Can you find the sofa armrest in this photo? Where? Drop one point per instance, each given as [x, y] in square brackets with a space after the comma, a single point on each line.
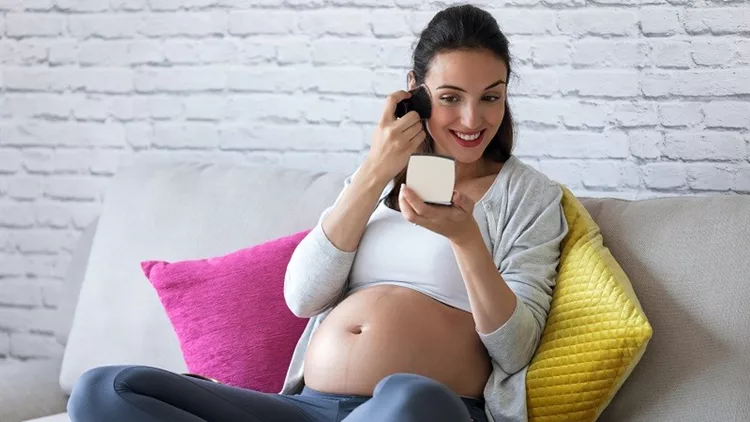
[30, 390]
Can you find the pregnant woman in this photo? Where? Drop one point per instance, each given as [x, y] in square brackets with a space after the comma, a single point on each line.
[417, 312]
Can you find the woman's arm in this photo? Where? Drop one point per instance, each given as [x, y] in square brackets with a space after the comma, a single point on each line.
[346, 222]
[320, 265]
[510, 306]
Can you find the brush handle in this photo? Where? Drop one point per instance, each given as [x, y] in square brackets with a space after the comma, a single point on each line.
[419, 102]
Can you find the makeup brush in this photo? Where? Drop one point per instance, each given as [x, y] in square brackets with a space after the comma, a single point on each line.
[419, 102]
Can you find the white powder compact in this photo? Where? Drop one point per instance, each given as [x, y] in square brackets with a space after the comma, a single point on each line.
[432, 177]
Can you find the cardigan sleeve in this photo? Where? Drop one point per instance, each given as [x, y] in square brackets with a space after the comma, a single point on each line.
[318, 271]
[527, 260]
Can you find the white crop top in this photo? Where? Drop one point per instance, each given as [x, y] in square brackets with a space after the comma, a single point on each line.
[394, 251]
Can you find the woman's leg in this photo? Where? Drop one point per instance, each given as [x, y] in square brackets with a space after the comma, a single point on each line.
[406, 397]
[148, 394]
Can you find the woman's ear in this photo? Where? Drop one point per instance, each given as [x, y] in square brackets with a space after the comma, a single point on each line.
[411, 81]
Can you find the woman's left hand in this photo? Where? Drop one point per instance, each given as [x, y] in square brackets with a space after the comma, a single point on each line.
[456, 222]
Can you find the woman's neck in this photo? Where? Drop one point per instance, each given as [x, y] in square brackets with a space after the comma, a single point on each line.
[470, 171]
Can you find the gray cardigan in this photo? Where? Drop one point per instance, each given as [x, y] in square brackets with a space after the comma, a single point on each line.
[522, 223]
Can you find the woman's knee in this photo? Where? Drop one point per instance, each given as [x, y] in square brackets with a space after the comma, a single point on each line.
[98, 390]
[415, 385]
[417, 393]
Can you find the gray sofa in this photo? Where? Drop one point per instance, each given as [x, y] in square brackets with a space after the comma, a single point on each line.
[688, 259]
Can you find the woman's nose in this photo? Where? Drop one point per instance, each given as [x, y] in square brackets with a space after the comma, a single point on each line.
[471, 117]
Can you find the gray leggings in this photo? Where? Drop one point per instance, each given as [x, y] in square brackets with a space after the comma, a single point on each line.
[146, 394]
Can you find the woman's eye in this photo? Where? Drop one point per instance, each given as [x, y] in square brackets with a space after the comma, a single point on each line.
[488, 98]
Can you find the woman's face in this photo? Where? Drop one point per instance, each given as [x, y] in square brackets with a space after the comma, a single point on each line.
[468, 90]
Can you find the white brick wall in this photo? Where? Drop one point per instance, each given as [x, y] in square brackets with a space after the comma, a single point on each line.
[619, 98]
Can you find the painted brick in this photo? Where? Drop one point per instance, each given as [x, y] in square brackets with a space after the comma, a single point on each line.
[614, 98]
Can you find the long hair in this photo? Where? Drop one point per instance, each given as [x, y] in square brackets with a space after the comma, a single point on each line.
[466, 28]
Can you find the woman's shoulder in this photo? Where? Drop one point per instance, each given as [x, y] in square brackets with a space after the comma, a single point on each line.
[519, 182]
[524, 196]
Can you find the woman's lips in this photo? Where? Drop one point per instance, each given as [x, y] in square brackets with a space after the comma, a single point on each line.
[468, 144]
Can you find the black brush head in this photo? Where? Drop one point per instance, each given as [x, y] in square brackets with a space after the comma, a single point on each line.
[419, 102]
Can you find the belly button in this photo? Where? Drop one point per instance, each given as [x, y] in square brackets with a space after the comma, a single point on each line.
[355, 329]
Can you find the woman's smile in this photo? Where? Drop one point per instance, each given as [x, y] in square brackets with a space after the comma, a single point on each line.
[468, 141]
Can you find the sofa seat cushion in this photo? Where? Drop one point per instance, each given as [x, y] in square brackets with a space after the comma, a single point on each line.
[60, 417]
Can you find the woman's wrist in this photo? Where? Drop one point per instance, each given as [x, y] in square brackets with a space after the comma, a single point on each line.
[467, 237]
[372, 177]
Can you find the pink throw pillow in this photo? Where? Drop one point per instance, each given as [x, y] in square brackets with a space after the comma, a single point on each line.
[230, 315]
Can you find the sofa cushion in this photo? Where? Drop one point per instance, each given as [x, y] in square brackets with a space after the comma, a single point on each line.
[230, 315]
[72, 285]
[688, 260]
[177, 211]
[596, 331]
[60, 417]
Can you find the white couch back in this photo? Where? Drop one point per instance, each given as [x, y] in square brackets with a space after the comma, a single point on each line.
[175, 212]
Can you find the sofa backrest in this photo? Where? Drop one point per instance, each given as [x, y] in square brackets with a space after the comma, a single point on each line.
[175, 212]
[72, 283]
[688, 259]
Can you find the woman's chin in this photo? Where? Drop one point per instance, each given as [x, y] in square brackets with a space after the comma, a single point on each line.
[461, 155]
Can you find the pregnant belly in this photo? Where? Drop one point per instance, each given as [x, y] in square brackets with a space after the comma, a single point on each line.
[386, 329]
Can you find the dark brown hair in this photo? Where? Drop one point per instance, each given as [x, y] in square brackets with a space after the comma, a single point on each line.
[466, 28]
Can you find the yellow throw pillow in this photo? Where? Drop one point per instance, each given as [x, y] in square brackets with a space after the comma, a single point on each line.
[596, 330]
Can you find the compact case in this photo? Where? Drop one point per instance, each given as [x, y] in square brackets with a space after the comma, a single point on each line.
[432, 177]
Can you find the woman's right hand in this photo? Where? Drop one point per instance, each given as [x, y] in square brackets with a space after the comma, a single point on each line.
[394, 140]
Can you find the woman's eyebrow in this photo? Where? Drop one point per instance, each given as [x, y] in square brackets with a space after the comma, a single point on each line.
[496, 83]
